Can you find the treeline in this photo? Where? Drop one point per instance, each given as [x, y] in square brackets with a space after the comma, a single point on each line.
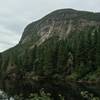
[79, 54]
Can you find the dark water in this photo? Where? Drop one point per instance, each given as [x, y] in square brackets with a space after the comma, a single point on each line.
[70, 90]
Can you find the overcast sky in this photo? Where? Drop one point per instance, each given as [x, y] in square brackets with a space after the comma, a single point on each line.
[16, 14]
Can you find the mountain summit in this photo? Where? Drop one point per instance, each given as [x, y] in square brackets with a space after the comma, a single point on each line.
[59, 23]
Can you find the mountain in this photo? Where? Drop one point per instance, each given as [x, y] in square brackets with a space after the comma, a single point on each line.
[64, 45]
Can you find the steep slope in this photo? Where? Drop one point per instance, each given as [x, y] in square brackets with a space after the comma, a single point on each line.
[63, 45]
[60, 23]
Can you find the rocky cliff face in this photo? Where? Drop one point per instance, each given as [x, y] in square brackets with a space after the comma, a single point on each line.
[59, 23]
[63, 43]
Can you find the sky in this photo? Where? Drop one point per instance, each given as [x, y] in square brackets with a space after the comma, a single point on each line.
[15, 15]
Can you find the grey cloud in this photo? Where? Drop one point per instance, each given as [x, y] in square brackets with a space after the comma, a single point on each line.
[4, 47]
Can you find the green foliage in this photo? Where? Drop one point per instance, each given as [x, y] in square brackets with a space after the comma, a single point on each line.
[35, 96]
[89, 96]
[78, 55]
[43, 96]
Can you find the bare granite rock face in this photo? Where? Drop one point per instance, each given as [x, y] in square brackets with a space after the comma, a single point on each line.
[59, 23]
